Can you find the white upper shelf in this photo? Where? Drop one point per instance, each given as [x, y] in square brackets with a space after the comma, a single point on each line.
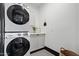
[37, 33]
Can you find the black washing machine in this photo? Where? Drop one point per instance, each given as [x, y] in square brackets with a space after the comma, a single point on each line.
[17, 44]
[17, 14]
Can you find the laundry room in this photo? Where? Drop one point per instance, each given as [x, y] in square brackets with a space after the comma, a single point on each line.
[39, 29]
[59, 29]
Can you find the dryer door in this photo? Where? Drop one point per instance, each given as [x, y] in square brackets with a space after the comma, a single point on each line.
[18, 47]
[17, 14]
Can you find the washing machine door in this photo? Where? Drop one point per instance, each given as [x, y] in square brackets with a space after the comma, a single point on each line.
[18, 47]
[17, 14]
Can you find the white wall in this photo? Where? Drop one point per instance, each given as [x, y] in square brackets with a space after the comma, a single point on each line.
[36, 41]
[62, 25]
[78, 29]
[34, 14]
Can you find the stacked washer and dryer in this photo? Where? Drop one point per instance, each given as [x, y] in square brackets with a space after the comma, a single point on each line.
[17, 40]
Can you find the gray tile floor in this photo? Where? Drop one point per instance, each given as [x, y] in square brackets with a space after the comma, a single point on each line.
[42, 53]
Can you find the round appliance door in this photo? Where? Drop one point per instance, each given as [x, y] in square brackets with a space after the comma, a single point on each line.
[17, 14]
[18, 47]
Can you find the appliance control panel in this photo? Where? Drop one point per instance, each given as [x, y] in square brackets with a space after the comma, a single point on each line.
[12, 35]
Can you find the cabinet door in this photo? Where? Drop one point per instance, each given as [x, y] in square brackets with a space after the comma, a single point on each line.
[1, 29]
